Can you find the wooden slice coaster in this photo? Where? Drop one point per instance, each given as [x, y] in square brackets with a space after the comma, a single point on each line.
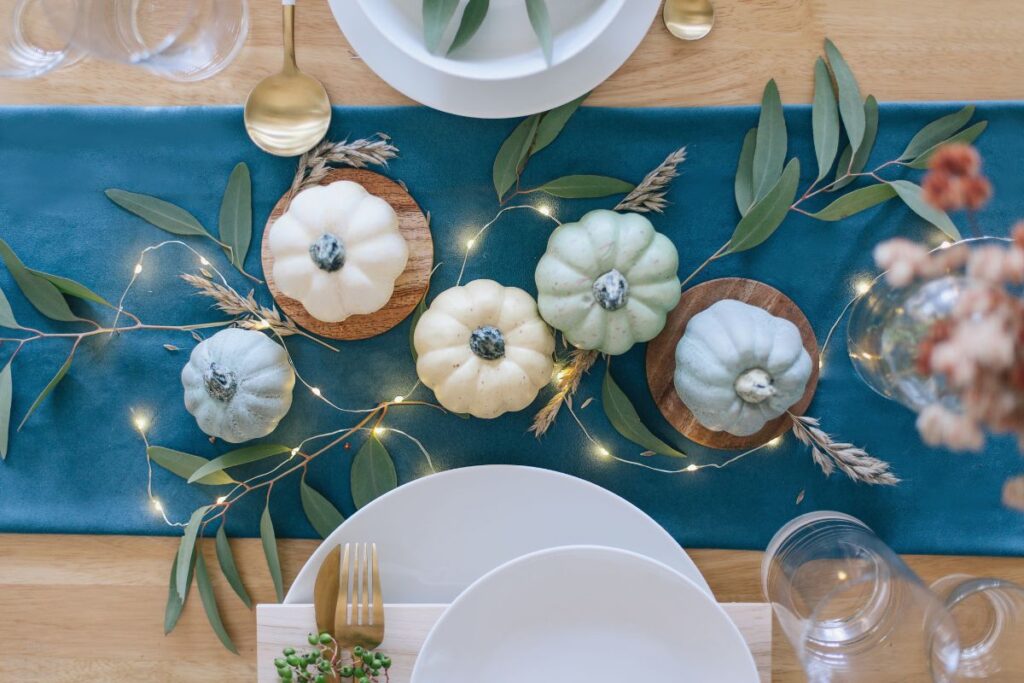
[661, 358]
[411, 284]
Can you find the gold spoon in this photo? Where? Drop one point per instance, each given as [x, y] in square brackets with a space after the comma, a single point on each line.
[287, 113]
[689, 19]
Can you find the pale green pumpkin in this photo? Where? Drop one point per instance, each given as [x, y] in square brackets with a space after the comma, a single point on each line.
[608, 281]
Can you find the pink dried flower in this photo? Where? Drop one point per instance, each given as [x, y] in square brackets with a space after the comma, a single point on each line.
[943, 191]
[1018, 234]
[940, 426]
[976, 191]
[901, 259]
[956, 159]
[986, 264]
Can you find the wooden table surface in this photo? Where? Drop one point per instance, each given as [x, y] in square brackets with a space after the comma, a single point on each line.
[76, 608]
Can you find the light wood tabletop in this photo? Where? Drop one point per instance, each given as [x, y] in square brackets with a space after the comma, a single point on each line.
[91, 607]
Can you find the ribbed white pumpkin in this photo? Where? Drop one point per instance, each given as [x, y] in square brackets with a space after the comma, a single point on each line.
[483, 349]
[608, 281]
[338, 251]
[238, 385]
[738, 367]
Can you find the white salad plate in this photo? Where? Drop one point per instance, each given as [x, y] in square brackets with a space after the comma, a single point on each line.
[600, 615]
[501, 72]
[439, 534]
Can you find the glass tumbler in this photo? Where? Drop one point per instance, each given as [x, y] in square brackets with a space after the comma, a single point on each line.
[182, 40]
[989, 614]
[853, 611]
[29, 44]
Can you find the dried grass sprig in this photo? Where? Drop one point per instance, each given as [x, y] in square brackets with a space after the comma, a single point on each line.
[568, 381]
[852, 461]
[649, 195]
[314, 165]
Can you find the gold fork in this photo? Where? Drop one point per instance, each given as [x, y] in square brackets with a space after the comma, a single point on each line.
[359, 620]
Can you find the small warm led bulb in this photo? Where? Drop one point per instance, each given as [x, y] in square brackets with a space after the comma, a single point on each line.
[399, 399]
[316, 391]
[775, 442]
[138, 268]
[141, 423]
[544, 209]
[946, 244]
[203, 261]
[379, 431]
[603, 452]
[295, 451]
[692, 468]
[470, 242]
[157, 505]
[221, 500]
[862, 286]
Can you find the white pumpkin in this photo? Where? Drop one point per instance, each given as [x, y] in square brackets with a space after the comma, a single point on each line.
[608, 281]
[338, 251]
[738, 367]
[238, 385]
[483, 349]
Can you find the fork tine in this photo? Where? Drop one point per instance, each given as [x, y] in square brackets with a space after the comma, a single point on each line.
[378, 597]
[341, 611]
[366, 585]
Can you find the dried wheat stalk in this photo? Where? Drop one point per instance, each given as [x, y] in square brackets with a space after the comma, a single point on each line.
[854, 462]
[568, 381]
[649, 195]
[253, 316]
[1013, 493]
[317, 162]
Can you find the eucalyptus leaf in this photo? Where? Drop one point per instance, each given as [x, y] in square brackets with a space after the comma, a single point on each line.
[239, 456]
[236, 215]
[269, 540]
[472, 18]
[936, 132]
[154, 211]
[766, 215]
[437, 14]
[552, 123]
[863, 153]
[541, 22]
[46, 298]
[856, 201]
[842, 168]
[851, 106]
[770, 150]
[210, 604]
[175, 603]
[585, 186]
[71, 288]
[966, 136]
[6, 314]
[824, 119]
[185, 465]
[226, 559]
[912, 197]
[626, 420]
[322, 515]
[512, 153]
[6, 394]
[744, 185]
[373, 472]
[50, 386]
[187, 549]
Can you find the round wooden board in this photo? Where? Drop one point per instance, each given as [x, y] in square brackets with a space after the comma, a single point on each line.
[661, 361]
[410, 286]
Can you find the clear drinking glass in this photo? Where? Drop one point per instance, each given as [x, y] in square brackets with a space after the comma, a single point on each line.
[852, 609]
[183, 40]
[989, 614]
[29, 44]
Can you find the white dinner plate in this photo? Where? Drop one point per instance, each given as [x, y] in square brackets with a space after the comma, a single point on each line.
[439, 534]
[599, 615]
[460, 89]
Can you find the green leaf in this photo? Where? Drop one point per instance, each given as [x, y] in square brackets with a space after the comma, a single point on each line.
[6, 393]
[163, 215]
[824, 119]
[175, 602]
[842, 168]
[472, 17]
[770, 150]
[966, 136]
[46, 298]
[236, 215]
[6, 314]
[226, 559]
[855, 202]
[186, 551]
[512, 153]
[71, 288]
[373, 472]
[239, 456]
[437, 14]
[269, 540]
[50, 386]
[552, 123]
[860, 158]
[185, 465]
[626, 420]
[766, 215]
[911, 196]
[585, 186]
[936, 132]
[851, 106]
[322, 515]
[744, 186]
[210, 604]
[541, 22]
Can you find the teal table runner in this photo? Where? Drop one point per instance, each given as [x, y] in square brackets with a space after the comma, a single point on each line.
[78, 466]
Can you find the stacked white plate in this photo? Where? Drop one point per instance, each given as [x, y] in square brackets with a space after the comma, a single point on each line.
[501, 72]
[541, 567]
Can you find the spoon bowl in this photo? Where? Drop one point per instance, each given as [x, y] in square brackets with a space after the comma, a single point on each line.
[689, 19]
